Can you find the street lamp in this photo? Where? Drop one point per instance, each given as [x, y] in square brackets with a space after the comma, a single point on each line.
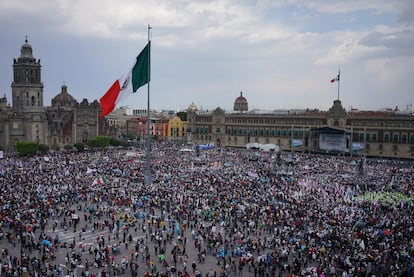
[22, 243]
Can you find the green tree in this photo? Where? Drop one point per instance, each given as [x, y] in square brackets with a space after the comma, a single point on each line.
[115, 142]
[27, 148]
[182, 116]
[79, 146]
[68, 147]
[43, 148]
[99, 141]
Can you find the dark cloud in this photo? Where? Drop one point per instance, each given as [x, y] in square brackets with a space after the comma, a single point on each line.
[406, 16]
[400, 43]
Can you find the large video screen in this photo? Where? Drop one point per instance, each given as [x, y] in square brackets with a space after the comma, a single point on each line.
[336, 142]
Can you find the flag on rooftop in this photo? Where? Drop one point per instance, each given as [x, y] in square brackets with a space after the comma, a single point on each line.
[336, 79]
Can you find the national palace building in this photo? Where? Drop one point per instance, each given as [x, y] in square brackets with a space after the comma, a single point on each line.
[388, 134]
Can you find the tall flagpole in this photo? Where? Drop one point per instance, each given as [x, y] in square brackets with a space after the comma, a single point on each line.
[148, 179]
[339, 81]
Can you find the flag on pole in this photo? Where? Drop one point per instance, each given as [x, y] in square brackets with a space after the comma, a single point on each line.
[336, 79]
[137, 76]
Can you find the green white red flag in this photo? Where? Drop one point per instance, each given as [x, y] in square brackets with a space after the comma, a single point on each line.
[137, 76]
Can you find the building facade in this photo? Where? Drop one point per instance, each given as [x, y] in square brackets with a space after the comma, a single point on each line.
[177, 129]
[158, 128]
[64, 122]
[388, 134]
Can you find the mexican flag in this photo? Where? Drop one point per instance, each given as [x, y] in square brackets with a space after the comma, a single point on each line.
[98, 181]
[137, 76]
[336, 79]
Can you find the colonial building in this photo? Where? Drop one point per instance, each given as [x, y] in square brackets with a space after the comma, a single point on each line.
[381, 134]
[177, 129]
[119, 121]
[158, 126]
[64, 122]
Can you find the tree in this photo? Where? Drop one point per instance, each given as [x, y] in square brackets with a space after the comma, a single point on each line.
[27, 148]
[79, 146]
[182, 116]
[99, 141]
[115, 142]
[43, 148]
[68, 147]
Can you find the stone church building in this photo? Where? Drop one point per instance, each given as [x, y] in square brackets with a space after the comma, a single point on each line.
[27, 119]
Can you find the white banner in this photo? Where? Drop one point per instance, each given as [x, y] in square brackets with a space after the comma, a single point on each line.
[297, 142]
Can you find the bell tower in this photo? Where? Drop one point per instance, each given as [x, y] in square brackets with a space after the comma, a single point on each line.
[27, 86]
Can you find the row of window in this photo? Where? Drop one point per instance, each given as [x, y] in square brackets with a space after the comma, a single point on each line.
[257, 132]
[175, 132]
[268, 121]
[387, 137]
[256, 139]
[284, 121]
[267, 132]
[367, 137]
[380, 147]
[389, 124]
[30, 76]
[202, 138]
[203, 130]
[29, 101]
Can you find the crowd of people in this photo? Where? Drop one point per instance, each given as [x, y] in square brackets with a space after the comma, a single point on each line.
[218, 212]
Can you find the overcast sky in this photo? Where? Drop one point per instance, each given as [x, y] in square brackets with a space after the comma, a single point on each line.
[281, 54]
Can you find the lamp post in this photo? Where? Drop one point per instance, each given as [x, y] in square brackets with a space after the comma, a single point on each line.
[22, 243]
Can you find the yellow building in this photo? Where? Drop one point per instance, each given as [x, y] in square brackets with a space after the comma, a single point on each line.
[177, 129]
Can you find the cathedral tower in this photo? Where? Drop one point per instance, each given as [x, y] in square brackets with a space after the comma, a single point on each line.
[27, 87]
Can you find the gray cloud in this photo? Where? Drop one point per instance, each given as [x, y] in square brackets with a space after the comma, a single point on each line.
[398, 43]
[406, 15]
[206, 51]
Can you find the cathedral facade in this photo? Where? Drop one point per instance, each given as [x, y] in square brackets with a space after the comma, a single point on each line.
[27, 119]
